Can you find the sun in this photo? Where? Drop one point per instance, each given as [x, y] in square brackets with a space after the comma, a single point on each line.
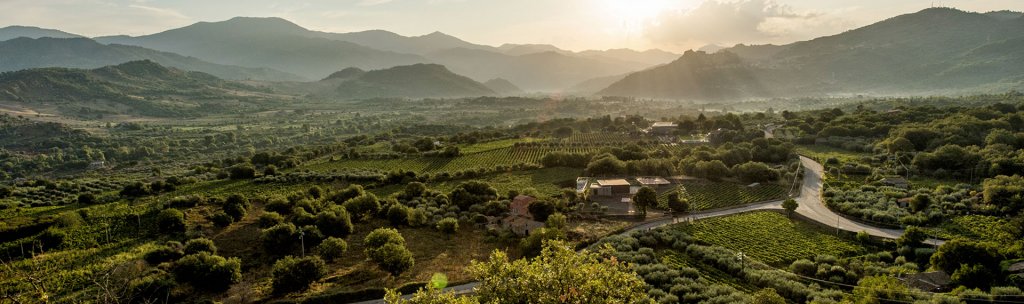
[634, 14]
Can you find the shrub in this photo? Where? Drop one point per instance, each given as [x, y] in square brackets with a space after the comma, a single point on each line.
[206, 271]
[195, 246]
[398, 214]
[540, 210]
[221, 219]
[381, 236]
[448, 226]
[295, 274]
[270, 219]
[279, 205]
[278, 239]
[335, 222]
[363, 205]
[392, 258]
[86, 199]
[331, 248]
[162, 254]
[352, 191]
[417, 217]
[170, 221]
[236, 206]
[242, 171]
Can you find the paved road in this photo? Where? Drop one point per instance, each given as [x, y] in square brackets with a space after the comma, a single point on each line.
[810, 203]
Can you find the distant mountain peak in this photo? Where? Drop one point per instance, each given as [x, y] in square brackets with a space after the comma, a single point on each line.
[347, 73]
[16, 31]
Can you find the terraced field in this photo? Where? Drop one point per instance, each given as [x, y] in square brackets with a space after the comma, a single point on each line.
[770, 237]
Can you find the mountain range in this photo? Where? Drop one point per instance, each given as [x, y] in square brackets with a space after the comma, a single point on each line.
[934, 51]
[408, 81]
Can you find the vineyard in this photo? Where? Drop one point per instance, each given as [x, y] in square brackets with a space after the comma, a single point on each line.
[706, 195]
[545, 181]
[707, 272]
[769, 237]
[488, 159]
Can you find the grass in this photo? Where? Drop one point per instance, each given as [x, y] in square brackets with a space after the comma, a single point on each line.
[770, 237]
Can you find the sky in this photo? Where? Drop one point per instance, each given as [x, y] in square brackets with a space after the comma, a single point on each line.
[674, 25]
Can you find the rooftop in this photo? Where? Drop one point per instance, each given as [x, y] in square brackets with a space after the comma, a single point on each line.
[652, 180]
[613, 182]
[664, 124]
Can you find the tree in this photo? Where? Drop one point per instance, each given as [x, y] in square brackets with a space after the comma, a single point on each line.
[643, 198]
[84, 198]
[363, 205]
[958, 252]
[195, 246]
[242, 171]
[472, 193]
[398, 214]
[335, 221]
[556, 221]
[767, 296]
[279, 239]
[1005, 192]
[606, 164]
[790, 205]
[295, 274]
[269, 219]
[540, 210]
[331, 248]
[564, 131]
[913, 236]
[209, 272]
[755, 172]
[386, 247]
[881, 289]
[350, 192]
[392, 258]
[413, 190]
[170, 221]
[677, 203]
[919, 202]
[5, 192]
[973, 276]
[428, 295]
[566, 277]
[448, 226]
[236, 206]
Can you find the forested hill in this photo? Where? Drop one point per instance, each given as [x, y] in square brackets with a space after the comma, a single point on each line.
[414, 81]
[137, 87]
[937, 50]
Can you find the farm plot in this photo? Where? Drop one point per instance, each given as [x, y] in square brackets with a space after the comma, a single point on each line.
[508, 156]
[704, 195]
[712, 274]
[769, 237]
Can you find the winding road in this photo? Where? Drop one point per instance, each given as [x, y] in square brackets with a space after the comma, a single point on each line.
[810, 206]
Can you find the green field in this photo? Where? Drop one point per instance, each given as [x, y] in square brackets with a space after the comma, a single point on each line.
[770, 237]
[706, 195]
[546, 181]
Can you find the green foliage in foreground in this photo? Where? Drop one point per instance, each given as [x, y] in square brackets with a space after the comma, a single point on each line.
[558, 275]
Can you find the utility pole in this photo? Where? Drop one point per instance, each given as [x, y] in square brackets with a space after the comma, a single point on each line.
[740, 256]
[302, 240]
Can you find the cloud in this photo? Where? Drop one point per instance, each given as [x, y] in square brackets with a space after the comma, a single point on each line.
[744, 21]
[372, 2]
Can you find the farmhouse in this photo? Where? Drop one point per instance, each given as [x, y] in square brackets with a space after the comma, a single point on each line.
[519, 220]
[936, 281]
[610, 187]
[664, 128]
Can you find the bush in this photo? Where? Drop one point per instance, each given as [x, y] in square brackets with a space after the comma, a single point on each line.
[86, 199]
[392, 258]
[279, 239]
[363, 205]
[331, 248]
[472, 193]
[270, 219]
[242, 171]
[209, 272]
[398, 214]
[540, 210]
[448, 226]
[221, 219]
[195, 246]
[335, 222]
[236, 206]
[163, 254]
[380, 236]
[295, 274]
[170, 221]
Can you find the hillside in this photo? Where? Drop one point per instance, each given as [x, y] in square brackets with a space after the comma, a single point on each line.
[82, 53]
[138, 87]
[938, 50]
[503, 86]
[412, 81]
[12, 32]
[267, 42]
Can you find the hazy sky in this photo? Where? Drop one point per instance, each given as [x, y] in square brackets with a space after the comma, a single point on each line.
[572, 24]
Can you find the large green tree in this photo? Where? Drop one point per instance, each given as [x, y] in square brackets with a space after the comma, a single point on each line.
[644, 198]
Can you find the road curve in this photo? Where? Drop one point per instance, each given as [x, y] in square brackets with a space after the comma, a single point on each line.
[810, 203]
